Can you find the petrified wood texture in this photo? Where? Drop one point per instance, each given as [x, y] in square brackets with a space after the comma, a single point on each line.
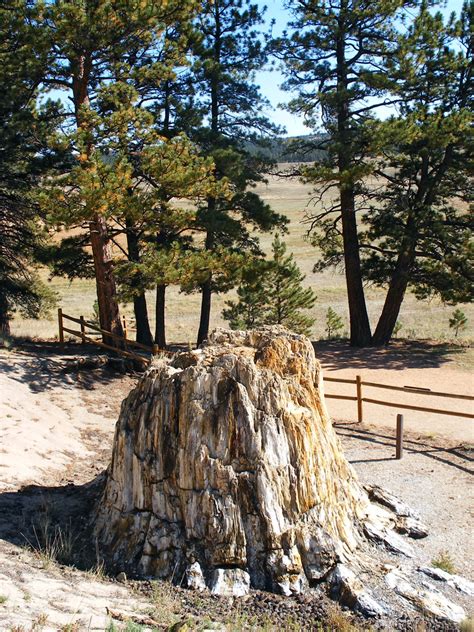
[226, 456]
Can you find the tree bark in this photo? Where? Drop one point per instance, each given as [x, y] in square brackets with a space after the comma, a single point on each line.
[206, 287]
[4, 321]
[400, 276]
[139, 300]
[109, 315]
[360, 335]
[206, 300]
[393, 300]
[160, 330]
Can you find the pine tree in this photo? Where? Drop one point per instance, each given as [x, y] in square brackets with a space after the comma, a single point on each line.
[271, 294]
[335, 58]
[21, 165]
[251, 308]
[333, 323]
[227, 53]
[89, 44]
[286, 296]
[420, 232]
[458, 321]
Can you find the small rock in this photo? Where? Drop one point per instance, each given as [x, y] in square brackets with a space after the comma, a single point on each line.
[121, 577]
[195, 578]
[387, 499]
[230, 582]
[431, 601]
[411, 527]
[455, 581]
[349, 590]
[389, 538]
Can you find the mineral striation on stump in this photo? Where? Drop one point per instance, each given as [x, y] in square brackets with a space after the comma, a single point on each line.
[226, 470]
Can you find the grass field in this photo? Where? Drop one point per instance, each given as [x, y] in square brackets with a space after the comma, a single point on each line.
[290, 197]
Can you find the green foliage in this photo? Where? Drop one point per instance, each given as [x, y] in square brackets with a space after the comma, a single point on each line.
[22, 162]
[227, 52]
[271, 293]
[334, 323]
[344, 60]
[458, 321]
[335, 59]
[419, 226]
[251, 309]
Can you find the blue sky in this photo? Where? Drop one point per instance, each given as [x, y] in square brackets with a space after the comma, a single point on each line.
[271, 80]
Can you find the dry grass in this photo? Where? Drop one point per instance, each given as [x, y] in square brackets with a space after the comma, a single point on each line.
[290, 197]
[445, 562]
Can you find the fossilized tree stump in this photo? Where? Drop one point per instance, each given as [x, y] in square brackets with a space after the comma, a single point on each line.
[226, 470]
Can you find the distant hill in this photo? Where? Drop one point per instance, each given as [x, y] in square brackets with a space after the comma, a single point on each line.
[291, 148]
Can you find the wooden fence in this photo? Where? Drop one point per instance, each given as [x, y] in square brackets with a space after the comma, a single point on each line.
[125, 347]
[360, 399]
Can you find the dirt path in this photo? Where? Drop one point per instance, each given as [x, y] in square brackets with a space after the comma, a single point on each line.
[433, 477]
[52, 419]
[418, 366]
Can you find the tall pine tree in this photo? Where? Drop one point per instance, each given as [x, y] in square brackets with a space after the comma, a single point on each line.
[89, 44]
[420, 225]
[22, 164]
[335, 58]
[228, 51]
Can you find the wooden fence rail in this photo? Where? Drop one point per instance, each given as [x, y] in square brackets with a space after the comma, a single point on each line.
[125, 348]
[413, 390]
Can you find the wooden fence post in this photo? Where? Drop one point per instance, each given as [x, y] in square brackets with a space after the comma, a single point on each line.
[60, 324]
[399, 446]
[360, 416]
[124, 326]
[83, 330]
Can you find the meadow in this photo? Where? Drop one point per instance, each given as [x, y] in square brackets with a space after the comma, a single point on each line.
[419, 319]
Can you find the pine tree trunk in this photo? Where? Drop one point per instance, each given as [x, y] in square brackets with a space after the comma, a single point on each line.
[4, 321]
[109, 316]
[160, 330]
[140, 310]
[360, 335]
[394, 298]
[215, 85]
[139, 301]
[206, 298]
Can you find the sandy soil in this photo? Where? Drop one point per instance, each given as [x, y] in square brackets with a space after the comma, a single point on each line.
[416, 366]
[56, 434]
[45, 414]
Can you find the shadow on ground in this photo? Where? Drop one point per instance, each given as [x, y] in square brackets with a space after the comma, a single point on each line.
[52, 521]
[46, 365]
[399, 355]
[459, 457]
